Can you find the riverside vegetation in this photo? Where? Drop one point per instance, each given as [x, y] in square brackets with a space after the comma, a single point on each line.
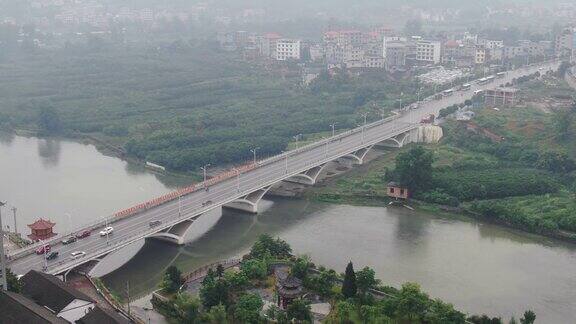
[526, 181]
[233, 296]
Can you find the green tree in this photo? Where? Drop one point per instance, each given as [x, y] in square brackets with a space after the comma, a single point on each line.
[14, 285]
[215, 291]
[300, 267]
[187, 308]
[513, 321]
[349, 285]
[220, 270]
[344, 311]
[49, 120]
[248, 308]
[414, 168]
[299, 310]
[562, 124]
[322, 283]
[528, 318]
[172, 279]
[217, 315]
[412, 303]
[443, 313]
[366, 279]
[237, 280]
[266, 245]
[254, 268]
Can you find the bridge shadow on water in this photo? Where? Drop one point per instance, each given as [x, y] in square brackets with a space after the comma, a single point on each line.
[217, 235]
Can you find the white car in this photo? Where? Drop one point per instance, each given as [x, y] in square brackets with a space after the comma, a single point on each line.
[106, 231]
[78, 254]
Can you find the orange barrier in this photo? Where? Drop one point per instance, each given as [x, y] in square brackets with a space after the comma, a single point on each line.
[184, 191]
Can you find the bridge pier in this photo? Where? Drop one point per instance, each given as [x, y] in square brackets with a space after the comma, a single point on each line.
[397, 141]
[358, 156]
[308, 177]
[174, 234]
[248, 203]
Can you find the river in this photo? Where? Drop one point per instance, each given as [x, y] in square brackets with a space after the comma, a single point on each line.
[481, 268]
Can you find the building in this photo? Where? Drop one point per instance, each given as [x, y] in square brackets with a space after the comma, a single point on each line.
[99, 315]
[501, 97]
[396, 191]
[41, 230]
[57, 296]
[565, 43]
[395, 57]
[17, 309]
[480, 56]
[428, 51]
[288, 288]
[287, 49]
[267, 45]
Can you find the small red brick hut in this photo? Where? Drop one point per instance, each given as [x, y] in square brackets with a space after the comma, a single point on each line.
[41, 230]
[395, 190]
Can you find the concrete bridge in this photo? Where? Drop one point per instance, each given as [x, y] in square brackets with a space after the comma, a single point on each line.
[243, 187]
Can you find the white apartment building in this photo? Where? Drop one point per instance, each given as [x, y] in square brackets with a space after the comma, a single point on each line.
[287, 49]
[480, 57]
[428, 51]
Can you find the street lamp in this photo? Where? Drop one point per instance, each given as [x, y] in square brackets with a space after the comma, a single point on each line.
[254, 150]
[333, 125]
[297, 137]
[286, 154]
[2, 256]
[237, 179]
[204, 170]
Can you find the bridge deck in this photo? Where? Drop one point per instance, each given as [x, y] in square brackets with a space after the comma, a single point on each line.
[267, 172]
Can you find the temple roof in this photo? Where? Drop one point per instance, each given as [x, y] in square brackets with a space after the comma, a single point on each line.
[41, 224]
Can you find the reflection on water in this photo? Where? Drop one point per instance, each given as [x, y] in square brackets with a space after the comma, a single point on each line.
[480, 268]
[49, 151]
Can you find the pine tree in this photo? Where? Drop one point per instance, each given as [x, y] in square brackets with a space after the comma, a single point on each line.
[349, 286]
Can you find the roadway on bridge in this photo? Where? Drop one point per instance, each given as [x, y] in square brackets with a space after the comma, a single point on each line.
[136, 227]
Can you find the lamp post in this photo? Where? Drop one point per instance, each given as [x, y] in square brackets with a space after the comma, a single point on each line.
[237, 179]
[333, 125]
[297, 138]
[2, 256]
[254, 150]
[204, 170]
[285, 161]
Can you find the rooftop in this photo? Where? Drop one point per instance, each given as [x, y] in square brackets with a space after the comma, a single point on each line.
[41, 224]
[16, 308]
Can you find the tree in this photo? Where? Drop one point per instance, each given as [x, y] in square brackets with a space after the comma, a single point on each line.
[220, 270]
[412, 303]
[344, 312]
[562, 124]
[248, 308]
[217, 315]
[414, 168]
[49, 120]
[349, 284]
[266, 245]
[172, 279]
[322, 283]
[443, 313]
[215, 291]
[254, 268]
[413, 27]
[366, 279]
[299, 310]
[14, 285]
[300, 267]
[529, 317]
[187, 308]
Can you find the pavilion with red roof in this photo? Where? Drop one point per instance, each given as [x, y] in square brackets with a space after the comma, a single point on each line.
[41, 230]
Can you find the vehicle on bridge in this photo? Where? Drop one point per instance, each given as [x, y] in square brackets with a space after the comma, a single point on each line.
[155, 223]
[52, 256]
[43, 249]
[83, 234]
[207, 203]
[77, 254]
[68, 240]
[106, 231]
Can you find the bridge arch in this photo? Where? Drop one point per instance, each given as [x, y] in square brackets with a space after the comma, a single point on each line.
[309, 177]
[248, 203]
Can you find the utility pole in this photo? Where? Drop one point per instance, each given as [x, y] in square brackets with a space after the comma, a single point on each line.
[128, 294]
[254, 150]
[15, 225]
[333, 125]
[2, 256]
[297, 137]
[204, 169]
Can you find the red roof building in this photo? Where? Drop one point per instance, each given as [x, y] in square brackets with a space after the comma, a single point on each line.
[41, 230]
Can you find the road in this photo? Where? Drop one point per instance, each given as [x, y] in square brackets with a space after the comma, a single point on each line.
[268, 172]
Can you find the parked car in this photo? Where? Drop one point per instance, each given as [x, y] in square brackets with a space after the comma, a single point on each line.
[78, 254]
[83, 234]
[68, 240]
[155, 223]
[106, 231]
[52, 255]
[43, 249]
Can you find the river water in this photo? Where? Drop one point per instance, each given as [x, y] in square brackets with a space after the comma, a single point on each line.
[481, 268]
